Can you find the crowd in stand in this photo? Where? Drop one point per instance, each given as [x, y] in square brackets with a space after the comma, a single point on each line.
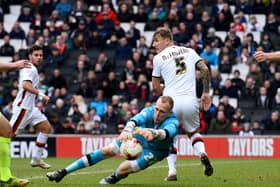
[97, 93]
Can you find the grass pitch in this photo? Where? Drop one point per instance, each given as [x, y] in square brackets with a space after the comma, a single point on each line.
[227, 172]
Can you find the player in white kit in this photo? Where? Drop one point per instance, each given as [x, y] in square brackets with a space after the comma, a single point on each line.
[24, 110]
[177, 65]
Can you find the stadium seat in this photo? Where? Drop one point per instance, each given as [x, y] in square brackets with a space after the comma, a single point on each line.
[241, 35]
[15, 9]
[9, 20]
[149, 37]
[233, 102]
[17, 43]
[125, 26]
[224, 76]
[6, 58]
[257, 36]
[221, 34]
[243, 69]
[140, 26]
[25, 26]
[135, 9]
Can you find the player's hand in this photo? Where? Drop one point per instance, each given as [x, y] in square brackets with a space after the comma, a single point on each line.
[125, 135]
[205, 101]
[46, 99]
[146, 133]
[260, 56]
[22, 64]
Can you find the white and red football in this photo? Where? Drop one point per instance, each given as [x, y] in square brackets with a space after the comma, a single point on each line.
[131, 149]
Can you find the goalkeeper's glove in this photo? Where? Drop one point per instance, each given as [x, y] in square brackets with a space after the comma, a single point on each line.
[126, 134]
[151, 134]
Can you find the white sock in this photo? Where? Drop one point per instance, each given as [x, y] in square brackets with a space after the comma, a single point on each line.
[40, 144]
[198, 143]
[171, 160]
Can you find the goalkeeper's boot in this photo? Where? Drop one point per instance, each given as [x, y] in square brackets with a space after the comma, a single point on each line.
[208, 171]
[172, 177]
[40, 163]
[112, 179]
[15, 182]
[57, 175]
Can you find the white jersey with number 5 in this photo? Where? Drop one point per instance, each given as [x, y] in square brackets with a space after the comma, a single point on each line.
[176, 65]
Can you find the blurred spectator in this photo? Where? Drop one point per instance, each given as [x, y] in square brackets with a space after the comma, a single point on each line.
[274, 7]
[26, 15]
[220, 22]
[67, 127]
[30, 37]
[111, 14]
[17, 32]
[57, 80]
[257, 128]
[239, 116]
[215, 81]
[80, 73]
[64, 8]
[119, 31]
[7, 49]
[228, 89]
[266, 43]
[256, 74]
[250, 90]
[237, 82]
[81, 35]
[212, 39]
[122, 91]
[210, 56]
[246, 130]
[123, 50]
[229, 109]
[87, 88]
[272, 123]
[132, 34]
[99, 127]
[225, 65]
[143, 47]
[272, 24]
[254, 25]
[220, 124]
[111, 120]
[99, 103]
[235, 127]
[244, 6]
[250, 43]
[46, 8]
[141, 15]
[88, 122]
[124, 14]
[81, 129]
[206, 21]
[234, 39]
[143, 88]
[153, 22]
[237, 26]
[264, 101]
[258, 7]
[75, 113]
[3, 32]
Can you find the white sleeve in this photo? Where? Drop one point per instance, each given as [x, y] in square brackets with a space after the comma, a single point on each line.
[156, 67]
[27, 74]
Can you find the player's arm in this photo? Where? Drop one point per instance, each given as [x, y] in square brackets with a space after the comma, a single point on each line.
[205, 75]
[4, 66]
[150, 134]
[261, 56]
[27, 85]
[157, 86]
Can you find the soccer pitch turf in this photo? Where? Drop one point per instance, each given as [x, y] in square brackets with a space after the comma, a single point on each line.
[227, 172]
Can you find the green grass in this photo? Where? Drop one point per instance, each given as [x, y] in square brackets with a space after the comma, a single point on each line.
[227, 172]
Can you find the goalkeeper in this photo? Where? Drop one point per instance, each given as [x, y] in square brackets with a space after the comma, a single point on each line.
[155, 127]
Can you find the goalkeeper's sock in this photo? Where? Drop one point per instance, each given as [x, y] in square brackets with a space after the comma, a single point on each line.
[86, 161]
[198, 143]
[171, 160]
[5, 159]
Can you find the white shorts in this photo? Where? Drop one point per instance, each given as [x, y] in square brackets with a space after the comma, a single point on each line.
[22, 117]
[187, 111]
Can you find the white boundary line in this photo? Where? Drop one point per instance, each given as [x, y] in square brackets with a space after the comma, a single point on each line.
[153, 167]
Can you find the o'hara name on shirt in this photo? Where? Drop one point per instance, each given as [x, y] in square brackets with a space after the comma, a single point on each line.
[174, 54]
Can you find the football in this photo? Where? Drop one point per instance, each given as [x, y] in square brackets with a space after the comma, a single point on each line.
[131, 149]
